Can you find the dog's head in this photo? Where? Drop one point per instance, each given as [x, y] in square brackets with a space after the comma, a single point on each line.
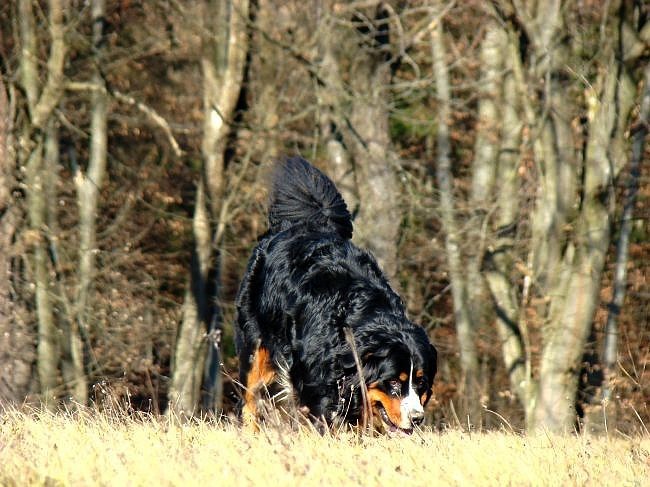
[399, 372]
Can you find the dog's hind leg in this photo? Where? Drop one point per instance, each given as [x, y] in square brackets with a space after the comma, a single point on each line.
[261, 375]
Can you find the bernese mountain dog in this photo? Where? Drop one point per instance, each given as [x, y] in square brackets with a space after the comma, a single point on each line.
[316, 314]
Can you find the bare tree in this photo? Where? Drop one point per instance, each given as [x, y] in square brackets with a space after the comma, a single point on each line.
[16, 350]
[485, 164]
[499, 259]
[332, 95]
[573, 205]
[369, 139]
[224, 48]
[462, 317]
[88, 189]
[584, 259]
[267, 63]
[41, 101]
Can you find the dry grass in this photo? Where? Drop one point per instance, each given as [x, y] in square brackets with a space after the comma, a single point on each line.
[95, 449]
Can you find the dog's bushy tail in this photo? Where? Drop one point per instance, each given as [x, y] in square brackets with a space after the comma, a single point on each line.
[302, 194]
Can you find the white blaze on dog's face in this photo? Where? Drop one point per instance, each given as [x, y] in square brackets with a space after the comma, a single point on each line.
[396, 405]
[410, 407]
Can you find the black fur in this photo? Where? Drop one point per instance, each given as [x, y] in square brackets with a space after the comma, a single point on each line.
[305, 284]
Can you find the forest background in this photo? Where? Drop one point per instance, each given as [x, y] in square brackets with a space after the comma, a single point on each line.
[492, 153]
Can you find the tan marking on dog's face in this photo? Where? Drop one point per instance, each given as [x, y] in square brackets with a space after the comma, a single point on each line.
[390, 404]
[425, 396]
[403, 377]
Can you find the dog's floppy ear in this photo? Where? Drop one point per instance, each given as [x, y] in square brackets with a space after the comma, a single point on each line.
[367, 359]
[372, 363]
[375, 355]
[432, 368]
[433, 362]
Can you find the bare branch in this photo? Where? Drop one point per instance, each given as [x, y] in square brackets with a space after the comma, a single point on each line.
[153, 116]
[54, 85]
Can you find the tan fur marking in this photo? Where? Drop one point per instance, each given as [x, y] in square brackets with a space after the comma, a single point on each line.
[390, 404]
[424, 398]
[261, 374]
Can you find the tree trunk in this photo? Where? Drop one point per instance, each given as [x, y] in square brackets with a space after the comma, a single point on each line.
[41, 103]
[267, 63]
[16, 342]
[570, 322]
[484, 170]
[48, 352]
[223, 58]
[464, 328]
[88, 190]
[484, 165]
[89, 184]
[378, 218]
[189, 358]
[549, 117]
[498, 266]
[224, 48]
[489, 107]
[332, 98]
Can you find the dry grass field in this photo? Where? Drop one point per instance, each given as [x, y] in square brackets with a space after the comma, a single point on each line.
[95, 449]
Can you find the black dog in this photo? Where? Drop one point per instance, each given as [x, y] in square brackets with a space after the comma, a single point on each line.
[306, 288]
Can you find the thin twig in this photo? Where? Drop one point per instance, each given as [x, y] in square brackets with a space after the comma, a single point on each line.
[366, 424]
[148, 111]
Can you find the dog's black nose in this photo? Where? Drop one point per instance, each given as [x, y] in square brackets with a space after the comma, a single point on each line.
[417, 418]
